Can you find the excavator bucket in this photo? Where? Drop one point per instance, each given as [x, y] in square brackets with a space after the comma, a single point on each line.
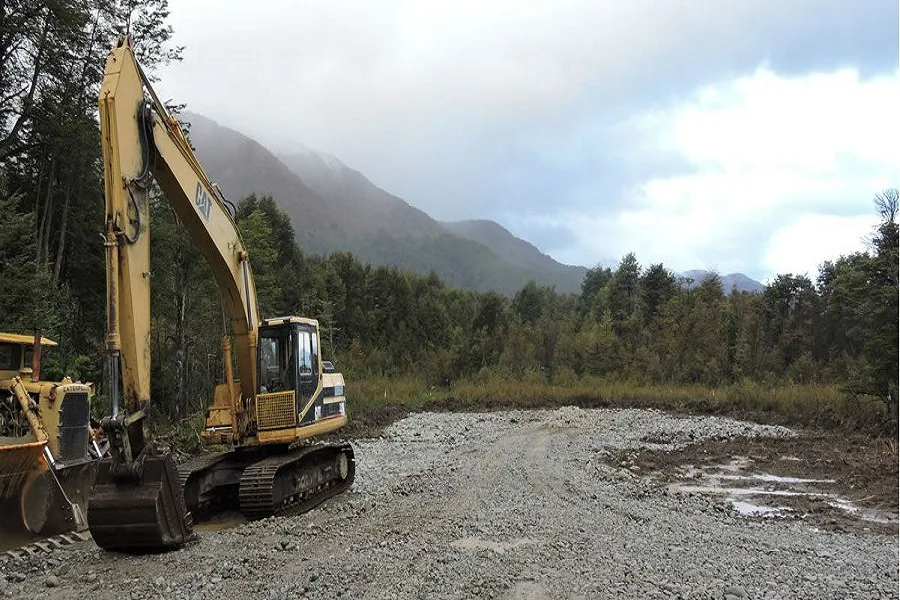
[143, 511]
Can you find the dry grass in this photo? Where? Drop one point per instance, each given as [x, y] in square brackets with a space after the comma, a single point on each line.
[814, 406]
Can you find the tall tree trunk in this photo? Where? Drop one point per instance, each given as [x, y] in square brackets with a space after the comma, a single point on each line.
[48, 208]
[37, 190]
[181, 303]
[60, 248]
[51, 208]
[9, 145]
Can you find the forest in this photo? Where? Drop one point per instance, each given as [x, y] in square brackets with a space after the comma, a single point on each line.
[821, 351]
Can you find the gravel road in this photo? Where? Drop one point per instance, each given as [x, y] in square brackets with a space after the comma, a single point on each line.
[516, 504]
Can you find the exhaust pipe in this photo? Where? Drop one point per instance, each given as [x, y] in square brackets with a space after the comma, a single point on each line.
[36, 357]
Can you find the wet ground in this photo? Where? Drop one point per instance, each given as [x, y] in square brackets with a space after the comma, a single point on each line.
[835, 482]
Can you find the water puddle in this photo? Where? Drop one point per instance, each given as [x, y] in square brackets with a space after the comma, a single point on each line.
[749, 509]
[866, 514]
[768, 495]
[769, 478]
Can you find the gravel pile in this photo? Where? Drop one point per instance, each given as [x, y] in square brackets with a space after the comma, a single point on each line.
[515, 504]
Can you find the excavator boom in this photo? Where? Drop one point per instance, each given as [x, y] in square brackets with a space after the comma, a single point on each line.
[142, 141]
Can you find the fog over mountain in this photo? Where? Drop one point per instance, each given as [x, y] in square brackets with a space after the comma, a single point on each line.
[334, 207]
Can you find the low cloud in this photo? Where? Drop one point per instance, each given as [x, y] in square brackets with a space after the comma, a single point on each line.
[592, 128]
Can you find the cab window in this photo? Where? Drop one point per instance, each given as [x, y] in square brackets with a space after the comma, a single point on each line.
[10, 357]
[277, 351]
[305, 353]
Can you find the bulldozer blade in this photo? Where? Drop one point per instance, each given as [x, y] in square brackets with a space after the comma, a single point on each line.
[54, 501]
[33, 499]
[145, 513]
[17, 461]
[40, 498]
[46, 508]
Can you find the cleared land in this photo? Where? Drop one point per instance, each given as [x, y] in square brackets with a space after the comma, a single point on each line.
[565, 503]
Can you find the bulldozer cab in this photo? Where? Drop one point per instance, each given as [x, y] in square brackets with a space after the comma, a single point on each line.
[288, 355]
[17, 354]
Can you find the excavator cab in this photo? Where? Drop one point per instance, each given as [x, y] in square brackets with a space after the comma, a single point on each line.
[285, 355]
[293, 390]
[288, 360]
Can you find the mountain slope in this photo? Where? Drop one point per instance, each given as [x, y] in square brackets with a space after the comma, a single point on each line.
[334, 207]
[242, 166]
[731, 281]
[519, 252]
[402, 227]
[367, 207]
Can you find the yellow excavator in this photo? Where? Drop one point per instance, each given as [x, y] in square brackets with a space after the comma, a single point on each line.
[285, 393]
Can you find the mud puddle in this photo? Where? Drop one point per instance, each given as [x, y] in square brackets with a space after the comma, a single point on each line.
[844, 484]
[757, 494]
[220, 521]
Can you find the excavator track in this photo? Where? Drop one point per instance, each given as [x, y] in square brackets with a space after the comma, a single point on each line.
[297, 481]
[195, 468]
[197, 464]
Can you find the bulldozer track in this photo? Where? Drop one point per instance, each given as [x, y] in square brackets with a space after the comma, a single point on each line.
[258, 483]
[48, 545]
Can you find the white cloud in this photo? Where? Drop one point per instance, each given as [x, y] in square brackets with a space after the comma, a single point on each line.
[780, 173]
[384, 84]
[802, 246]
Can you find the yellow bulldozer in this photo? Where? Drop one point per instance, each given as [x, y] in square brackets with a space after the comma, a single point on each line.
[48, 450]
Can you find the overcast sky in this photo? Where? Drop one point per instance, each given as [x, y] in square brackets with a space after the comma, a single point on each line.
[736, 135]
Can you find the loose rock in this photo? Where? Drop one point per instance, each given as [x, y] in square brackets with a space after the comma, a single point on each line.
[514, 504]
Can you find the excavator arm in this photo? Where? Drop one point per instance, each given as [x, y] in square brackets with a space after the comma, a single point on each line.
[142, 141]
[137, 500]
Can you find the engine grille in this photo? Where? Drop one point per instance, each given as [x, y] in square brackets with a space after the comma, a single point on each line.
[276, 411]
[74, 419]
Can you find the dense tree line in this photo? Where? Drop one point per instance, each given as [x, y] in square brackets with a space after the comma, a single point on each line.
[633, 322]
[630, 323]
